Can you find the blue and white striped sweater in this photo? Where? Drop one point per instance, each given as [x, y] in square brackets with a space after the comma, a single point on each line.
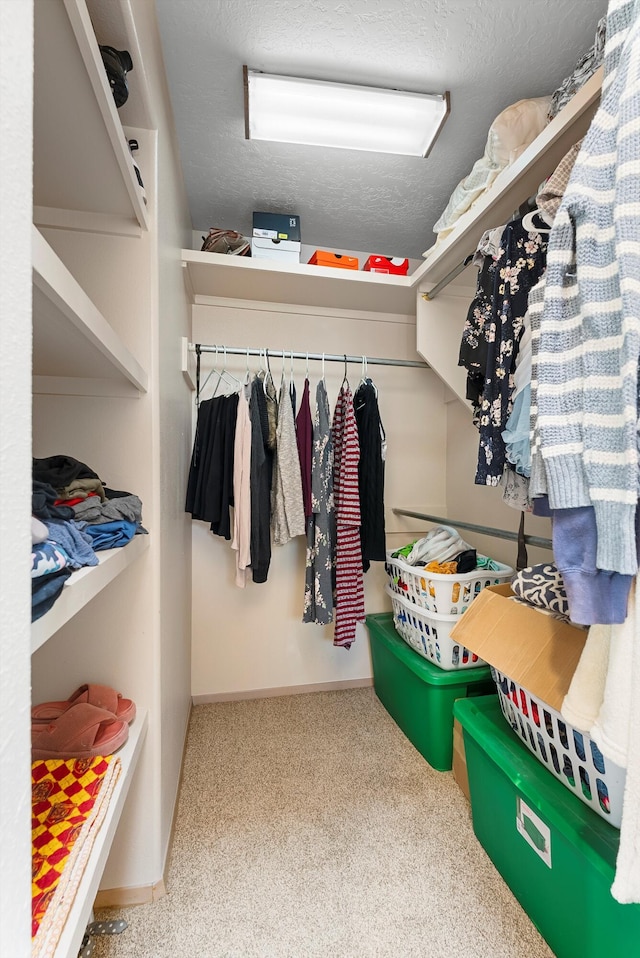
[589, 340]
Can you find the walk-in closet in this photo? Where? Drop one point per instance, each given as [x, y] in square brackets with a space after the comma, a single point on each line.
[334, 749]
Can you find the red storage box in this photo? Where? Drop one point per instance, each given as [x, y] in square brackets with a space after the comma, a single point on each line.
[322, 257]
[387, 264]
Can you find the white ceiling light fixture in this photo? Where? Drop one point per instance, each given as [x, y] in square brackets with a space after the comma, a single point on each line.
[323, 113]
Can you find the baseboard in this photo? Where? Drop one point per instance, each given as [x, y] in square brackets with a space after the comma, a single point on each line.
[137, 895]
[276, 691]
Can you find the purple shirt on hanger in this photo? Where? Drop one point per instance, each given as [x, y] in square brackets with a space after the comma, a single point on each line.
[304, 439]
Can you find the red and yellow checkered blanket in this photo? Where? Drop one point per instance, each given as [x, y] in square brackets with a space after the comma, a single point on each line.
[69, 800]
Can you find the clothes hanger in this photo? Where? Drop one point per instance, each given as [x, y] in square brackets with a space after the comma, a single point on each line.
[345, 380]
[267, 374]
[529, 225]
[231, 381]
[211, 372]
[366, 379]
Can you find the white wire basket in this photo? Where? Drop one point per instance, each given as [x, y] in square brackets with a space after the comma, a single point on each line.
[572, 756]
[438, 592]
[429, 634]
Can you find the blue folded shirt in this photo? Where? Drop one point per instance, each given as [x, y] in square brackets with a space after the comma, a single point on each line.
[111, 535]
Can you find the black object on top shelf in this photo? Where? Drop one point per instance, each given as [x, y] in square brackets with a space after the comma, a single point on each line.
[117, 63]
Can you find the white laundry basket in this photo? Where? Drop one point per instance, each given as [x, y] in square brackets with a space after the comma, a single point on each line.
[572, 756]
[429, 634]
[438, 592]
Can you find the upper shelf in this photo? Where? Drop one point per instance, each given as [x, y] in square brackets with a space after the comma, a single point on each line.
[71, 339]
[263, 280]
[82, 160]
[517, 182]
[238, 277]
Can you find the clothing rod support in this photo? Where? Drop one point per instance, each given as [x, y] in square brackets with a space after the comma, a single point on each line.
[481, 530]
[318, 357]
[448, 278]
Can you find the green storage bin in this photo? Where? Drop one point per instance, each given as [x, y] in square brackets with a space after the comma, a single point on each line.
[556, 854]
[417, 694]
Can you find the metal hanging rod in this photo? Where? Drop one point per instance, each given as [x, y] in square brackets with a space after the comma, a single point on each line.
[448, 278]
[481, 530]
[316, 357]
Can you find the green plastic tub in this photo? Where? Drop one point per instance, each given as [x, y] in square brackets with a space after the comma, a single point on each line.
[417, 694]
[556, 854]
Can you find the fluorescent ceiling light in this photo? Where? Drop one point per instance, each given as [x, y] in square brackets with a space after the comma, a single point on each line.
[319, 113]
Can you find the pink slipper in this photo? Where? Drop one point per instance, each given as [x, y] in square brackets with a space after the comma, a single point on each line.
[82, 731]
[102, 696]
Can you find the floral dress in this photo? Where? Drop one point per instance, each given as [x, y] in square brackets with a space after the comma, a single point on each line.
[321, 536]
[520, 264]
[473, 348]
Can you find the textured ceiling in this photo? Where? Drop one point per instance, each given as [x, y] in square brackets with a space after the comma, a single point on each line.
[487, 53]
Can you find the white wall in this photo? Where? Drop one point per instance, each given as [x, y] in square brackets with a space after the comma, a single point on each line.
[254, 639]
[16, 90]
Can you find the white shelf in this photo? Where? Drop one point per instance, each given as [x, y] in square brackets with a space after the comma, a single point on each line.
[80, 913]
[83, 585]
[514, 185]
[71, 338]
[81, 158]
[215, 275]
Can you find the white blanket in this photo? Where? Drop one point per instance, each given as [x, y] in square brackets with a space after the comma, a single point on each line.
[604, 701]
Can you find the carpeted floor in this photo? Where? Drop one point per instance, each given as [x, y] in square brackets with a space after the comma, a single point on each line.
[309, 827]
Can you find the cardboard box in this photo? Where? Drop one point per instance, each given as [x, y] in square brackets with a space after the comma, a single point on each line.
[394, 265]
[323, 257]
[282, 226]
[282, 251]
[460, 775]
[537, 651]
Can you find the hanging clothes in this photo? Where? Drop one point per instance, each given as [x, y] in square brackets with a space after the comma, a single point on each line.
[260, 481]
[589, 339]
[349, 580]
[519, 267]
[304, 440]
[287, 508]
[210, 483]
[371, 438]
[517, 433]
[241, 542]
[320, 562]
[474, 345]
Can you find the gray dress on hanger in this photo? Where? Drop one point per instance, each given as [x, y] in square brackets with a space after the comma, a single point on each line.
[320, 571]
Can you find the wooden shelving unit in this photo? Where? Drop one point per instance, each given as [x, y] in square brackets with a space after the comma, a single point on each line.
[215, 275]
[84, 181]
[72, 341]
[514, 185]
[82, 161]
